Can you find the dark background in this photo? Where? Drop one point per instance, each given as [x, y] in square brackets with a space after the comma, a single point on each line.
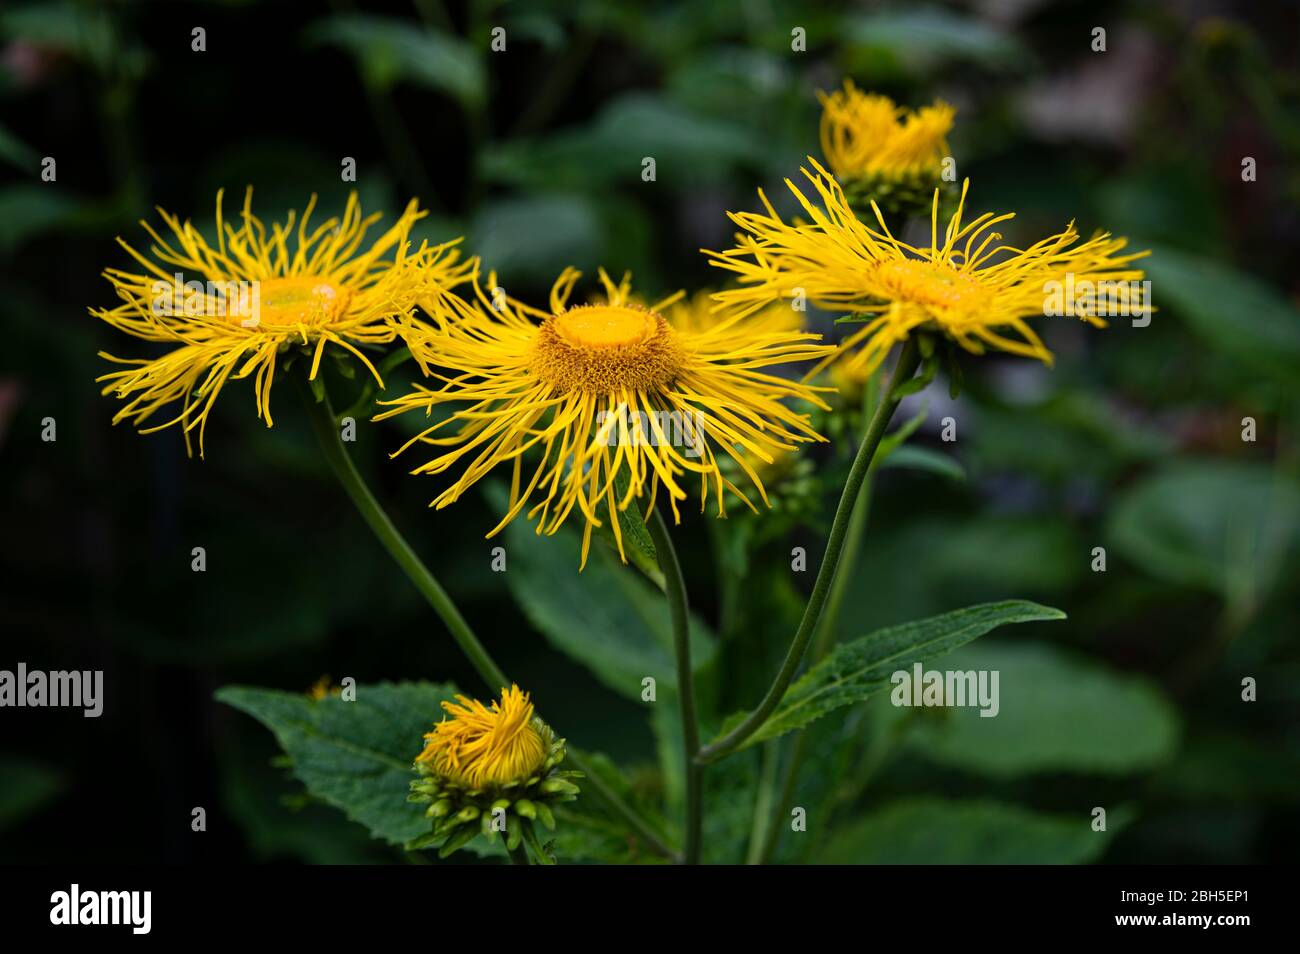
[1132, 442]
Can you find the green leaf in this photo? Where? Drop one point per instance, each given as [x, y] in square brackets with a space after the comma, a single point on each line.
[504, 233]
[1235, 313]
[912, 457]
[687, 148]
[606, 617]
[730, 787]
[28, 210]
[1056, 712]
[280, 822]
[856, 669]
[1222, 525]
[357, 755]
[389, 49]
[893, 441]
[921, 39]
[588, 831]
[934, 831]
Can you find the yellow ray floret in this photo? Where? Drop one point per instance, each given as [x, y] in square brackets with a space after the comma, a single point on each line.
[597, 406]
[230, 309]
[867, 134]
[481, 746]
[964, 285]
[699, 313]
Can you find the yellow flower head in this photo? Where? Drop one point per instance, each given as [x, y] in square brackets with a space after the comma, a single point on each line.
[865, 134]
[611, 400]
[481, 747]
[964, 285]
[229, 309]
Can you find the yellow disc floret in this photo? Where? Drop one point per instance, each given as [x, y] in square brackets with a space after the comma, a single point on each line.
[599, 349]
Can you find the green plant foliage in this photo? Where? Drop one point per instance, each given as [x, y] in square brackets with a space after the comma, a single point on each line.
[1233, 312]
[605, 618]
[1224, 526]
[390, 50]
[1057, 712]
[856, 669]
[938, 831]
[355, 755]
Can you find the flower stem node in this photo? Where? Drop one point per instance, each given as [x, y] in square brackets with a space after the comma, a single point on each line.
[497, 766]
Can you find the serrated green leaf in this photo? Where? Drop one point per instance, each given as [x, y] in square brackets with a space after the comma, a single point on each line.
[357, 755]
[931, 831]
[860, 667]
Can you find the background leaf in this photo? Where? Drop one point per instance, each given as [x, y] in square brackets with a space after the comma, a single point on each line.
[388, 49]
[1220, 525]
[1057, 712]
[606, 617]
[935, 831]
[1235, 313]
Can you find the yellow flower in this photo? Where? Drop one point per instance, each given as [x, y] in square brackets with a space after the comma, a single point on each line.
[480, 747]
[229, 310]
[964, 285]
[615, 401]
[491, 769]
[865, 134]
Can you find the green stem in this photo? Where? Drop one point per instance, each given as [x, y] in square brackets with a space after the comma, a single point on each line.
[675, 590]
[761, 853]
[323, 423]
[908, 360]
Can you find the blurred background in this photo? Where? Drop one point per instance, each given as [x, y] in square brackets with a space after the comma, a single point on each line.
[1133, 443]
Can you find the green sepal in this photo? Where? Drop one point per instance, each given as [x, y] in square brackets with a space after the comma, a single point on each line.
[956, 379]
[457, 841]
[427, 840]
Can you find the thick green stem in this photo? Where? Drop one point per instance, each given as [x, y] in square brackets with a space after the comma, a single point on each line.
[675, 590]
[323, 423]
[908, 360]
